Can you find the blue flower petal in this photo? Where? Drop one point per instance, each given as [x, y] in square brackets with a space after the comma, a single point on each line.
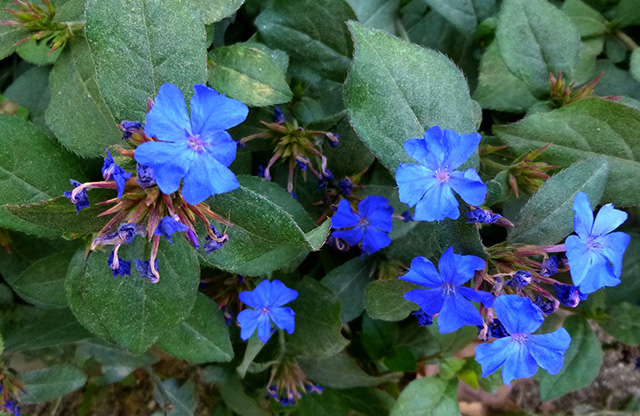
[480, 296]
[614, 246]
[374, 240]
[457, 312]
[581, 259]
[423, 273]
[607, 220]
[429, 300]
[548, 349]
[469, 186]
[221, 147]
[438, 203]
[460, 148]
[492, 356]
[344, 216]
[518, 315]
[413, 182]
[352, 237]
[248, 320]
[434, 142]
[205, 177]
[283, 318]
[168, 226]
[600, 275]
[280, 294]
[458, 269]
[170, 162]
[583, 220]
[212, 112]
[417, 150]
[519, 363]
[264, 327]
[168, 119]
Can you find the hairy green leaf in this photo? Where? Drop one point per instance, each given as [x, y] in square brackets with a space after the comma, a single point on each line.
[428, 396]
[51, 383]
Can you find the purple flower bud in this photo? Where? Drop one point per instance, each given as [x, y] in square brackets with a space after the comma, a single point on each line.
[497, 330]
[302, 165]
[294, 195]
[144, 267]
[550, 266]
[111, 171]
[345, 186]
[127, 232]
[123, 269]
[211, 244]
[547, 307]
[193, 238]
[424, 318]
[314, 388]
[129, 128]
[482, 216]
[278, 117]
[168, 226]
[406, 216]
[334, 139]
[240, 144]
[568, 295]
[326, 177]
[260, 171]
[81, 200]
[520, 279]
[146, 176]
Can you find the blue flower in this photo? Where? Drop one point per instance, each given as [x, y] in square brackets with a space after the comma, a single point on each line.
[371, 224]
[568, 295]
[268, 299]
[445, 293]
[82, 198]
[211, 244]
[198, 150]
[483, 216]
[144, 267]
[521, 352]
[168, 226]
[123, 267]
[430, 185]
[146, 178]
[595, 254]
[111, 171]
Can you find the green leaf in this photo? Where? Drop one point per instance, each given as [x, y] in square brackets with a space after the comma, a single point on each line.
[348, 281]
[319, 42]
[77, 114]
[340, 372]
[59, 214]
[368, 401]
[47, 329]
[460, 13]
[377, 14]
[582, 361]
[329, 403]
[583, 130]
[116, 363]
[202, 337]
[318, 321]
[535, 38]
[9, 36]
[128, 310]
[31, 90]
[547, 218]
[270, 229]
[384, 300]
[212, 11]
[635, 64]
[396, 90]
[629, 289]
[135, 56]
[234, 396]
[181, 397]
[254, 346]
[351, 156]
[378, 337]
[38, 52]
[51, 383]
[37, 268]
[588, 21]
[428, 396]
[627, 13]
[623, 323]
[498, 88]
[247, 74]
[32, 168]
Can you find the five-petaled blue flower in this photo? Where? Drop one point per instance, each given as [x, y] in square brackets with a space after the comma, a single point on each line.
[168, 226]
[430, 185]
[445, 293]
[595, 254]
[111, 171]
[521, 352]
[371, 225]
[268, 299]
[198, 150]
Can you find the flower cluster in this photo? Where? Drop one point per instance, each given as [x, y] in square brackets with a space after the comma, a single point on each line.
[181, 161]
